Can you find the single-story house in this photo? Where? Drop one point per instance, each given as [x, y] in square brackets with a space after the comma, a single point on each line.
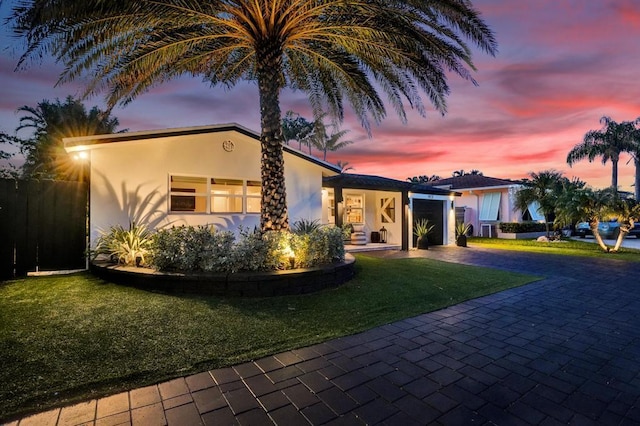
[211, 175]
[487, 201]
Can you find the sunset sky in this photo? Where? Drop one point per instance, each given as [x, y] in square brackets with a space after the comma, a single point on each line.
[562, 64]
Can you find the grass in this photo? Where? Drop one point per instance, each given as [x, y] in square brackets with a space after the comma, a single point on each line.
[68, 338]
[565, 248]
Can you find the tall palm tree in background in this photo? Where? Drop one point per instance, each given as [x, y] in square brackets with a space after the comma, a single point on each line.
[334, 50]
[324, 142]
[609, 142]
[45, 156]
[543, 188]
[635, 154]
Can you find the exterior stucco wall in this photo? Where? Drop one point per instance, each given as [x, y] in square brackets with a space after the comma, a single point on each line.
[472, 201]
[373, 220]
[130, 180]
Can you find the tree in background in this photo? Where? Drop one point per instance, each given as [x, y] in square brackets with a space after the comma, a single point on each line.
[459, 173]
[344, 166]
[609, 142]
[334, 50]
[588, 205]
[543, 188]
[635, 154]
[8, 170]
[424, 179]
[297, 128]
[627, 212]
[324, 142]
[45, 156]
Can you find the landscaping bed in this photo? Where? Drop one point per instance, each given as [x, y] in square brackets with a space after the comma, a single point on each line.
[245, 284]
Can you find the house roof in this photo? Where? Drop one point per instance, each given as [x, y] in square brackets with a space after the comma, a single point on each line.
[473, 182]
[356, 181]
[82, 143]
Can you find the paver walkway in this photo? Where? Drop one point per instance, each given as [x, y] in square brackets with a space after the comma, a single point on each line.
[562, 350]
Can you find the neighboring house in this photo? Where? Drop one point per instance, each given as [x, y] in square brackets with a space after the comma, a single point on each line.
[211, 175]
[486, 201]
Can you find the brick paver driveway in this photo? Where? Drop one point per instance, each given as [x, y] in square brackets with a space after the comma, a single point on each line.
[562, 350]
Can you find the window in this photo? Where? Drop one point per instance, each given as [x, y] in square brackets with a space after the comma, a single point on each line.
[331, 208]
[197, 194]
[226, 195]
[535, 212]
[188, 194]
[254, 191]
[354, 205]
[490, 209]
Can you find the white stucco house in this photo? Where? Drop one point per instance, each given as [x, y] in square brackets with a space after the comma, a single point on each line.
[486, 201]
[211, 175]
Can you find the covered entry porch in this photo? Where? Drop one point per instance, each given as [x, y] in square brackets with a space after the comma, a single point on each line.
[382, 208]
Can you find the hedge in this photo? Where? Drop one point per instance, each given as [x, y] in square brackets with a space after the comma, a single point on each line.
[516, 228]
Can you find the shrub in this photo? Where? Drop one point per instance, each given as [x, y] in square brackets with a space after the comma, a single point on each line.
[188, 248]
[203, 249]
[513, 227]
[328, 244]
[125, 246]
[305, 226]
[252, 252]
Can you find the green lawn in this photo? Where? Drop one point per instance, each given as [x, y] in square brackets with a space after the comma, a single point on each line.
[565, 247]
[75, 337]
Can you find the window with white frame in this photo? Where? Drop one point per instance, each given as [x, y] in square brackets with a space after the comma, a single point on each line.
[490, 209]
[199, 194]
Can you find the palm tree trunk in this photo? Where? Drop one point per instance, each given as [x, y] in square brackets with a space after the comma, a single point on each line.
[636, 162]
[614, 173]
[621, 236]
[546, 225]
[596, 234]
[273, 206]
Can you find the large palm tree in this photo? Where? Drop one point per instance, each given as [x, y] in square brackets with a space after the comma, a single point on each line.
[609, 142]
[331, 49]
[544, 188]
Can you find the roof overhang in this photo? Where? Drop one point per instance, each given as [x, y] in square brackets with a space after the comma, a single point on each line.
[83, 143]
[378, 183]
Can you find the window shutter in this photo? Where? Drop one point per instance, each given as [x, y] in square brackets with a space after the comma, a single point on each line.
[536, 212]
[490, 206]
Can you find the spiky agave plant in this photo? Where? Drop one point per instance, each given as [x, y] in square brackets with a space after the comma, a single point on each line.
[125, 246]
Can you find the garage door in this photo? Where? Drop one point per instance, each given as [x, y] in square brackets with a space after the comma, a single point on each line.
[432, 210]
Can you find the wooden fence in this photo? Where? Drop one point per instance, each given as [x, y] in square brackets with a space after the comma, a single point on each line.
[43, 226]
